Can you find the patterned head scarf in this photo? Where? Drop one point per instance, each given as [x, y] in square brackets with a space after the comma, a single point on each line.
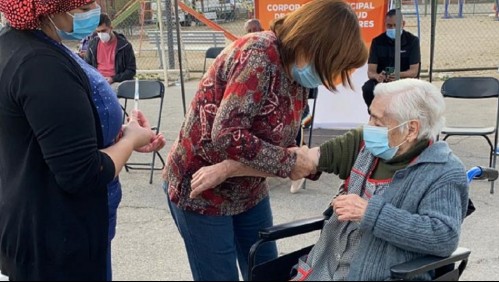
[25, 14]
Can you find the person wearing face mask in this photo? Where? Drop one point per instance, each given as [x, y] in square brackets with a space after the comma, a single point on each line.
[62, 145]
[252, 26]
[399, 181]
[381, 61]
[404, 193]
[248, 108]
[111, 53]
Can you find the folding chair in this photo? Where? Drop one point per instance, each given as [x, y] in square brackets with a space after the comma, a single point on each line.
[148, 89]
[211, 53]
[474, 88]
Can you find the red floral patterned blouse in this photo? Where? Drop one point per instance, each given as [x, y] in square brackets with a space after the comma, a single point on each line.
[247, 108]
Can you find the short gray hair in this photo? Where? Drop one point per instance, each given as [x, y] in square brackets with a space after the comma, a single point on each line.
[413, 99]
[254, 24]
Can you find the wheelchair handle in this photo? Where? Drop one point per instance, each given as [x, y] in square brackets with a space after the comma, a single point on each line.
[482, 173]
[489, 173]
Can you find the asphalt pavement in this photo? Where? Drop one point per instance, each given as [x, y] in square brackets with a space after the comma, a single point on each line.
[148, 246]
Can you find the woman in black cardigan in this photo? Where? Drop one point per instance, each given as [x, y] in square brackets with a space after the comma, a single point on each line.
[55, 164]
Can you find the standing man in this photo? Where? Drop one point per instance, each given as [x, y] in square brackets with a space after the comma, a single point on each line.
[381, 61]
[111, 53]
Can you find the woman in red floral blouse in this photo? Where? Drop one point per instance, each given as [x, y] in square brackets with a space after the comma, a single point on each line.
[248, 108]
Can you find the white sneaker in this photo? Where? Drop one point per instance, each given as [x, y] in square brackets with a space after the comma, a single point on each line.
[296, 185]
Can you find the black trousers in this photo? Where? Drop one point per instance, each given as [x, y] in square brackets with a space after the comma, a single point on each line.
[368, 91]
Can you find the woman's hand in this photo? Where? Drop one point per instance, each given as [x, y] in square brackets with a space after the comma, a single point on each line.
[209, 177]
[138, 135]
[156, 143]
[140, 118]
[304, 165]
[349, 207]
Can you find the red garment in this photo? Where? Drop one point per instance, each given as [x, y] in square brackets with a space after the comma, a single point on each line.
[106, 57]
[246, 108]
[25, 14]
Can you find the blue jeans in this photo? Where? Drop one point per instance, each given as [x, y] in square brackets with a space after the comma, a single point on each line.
[215, 243]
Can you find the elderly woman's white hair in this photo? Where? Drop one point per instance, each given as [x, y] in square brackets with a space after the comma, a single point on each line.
[413, 99]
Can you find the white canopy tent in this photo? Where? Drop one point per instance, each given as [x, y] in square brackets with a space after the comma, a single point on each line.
[343, 109]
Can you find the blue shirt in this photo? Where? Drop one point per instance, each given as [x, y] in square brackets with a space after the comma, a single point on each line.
[111, 119]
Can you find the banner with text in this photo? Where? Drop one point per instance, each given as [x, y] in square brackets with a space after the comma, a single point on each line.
[371, 13]
[268, 10]
[372, 17]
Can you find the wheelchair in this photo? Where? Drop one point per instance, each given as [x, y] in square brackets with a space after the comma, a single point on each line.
[280, 269]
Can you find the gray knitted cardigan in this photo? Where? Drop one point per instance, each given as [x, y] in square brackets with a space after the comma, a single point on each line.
[421, 213]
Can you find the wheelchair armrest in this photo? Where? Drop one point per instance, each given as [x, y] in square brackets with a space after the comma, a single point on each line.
[408, 270]
[292, 228]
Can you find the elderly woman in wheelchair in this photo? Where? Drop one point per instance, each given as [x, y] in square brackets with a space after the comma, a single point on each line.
[405, 194]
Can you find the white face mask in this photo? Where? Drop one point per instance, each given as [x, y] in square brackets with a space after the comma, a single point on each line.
[104, 36]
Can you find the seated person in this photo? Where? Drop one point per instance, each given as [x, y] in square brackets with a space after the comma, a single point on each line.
[381, 61]
[111, 53]
[405, 194]
[253, 25]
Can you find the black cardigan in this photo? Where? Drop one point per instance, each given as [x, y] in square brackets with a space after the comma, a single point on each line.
[53, 178]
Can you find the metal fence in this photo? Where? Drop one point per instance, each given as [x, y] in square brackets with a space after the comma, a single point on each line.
[467, 32]
[138, 21]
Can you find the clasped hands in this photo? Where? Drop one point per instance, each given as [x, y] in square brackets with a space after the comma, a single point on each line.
[349, 207]
[306, 162]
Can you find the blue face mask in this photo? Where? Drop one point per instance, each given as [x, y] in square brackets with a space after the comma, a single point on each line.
[390, 32]
[84, 24]
[306, 76]
[376, 141]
